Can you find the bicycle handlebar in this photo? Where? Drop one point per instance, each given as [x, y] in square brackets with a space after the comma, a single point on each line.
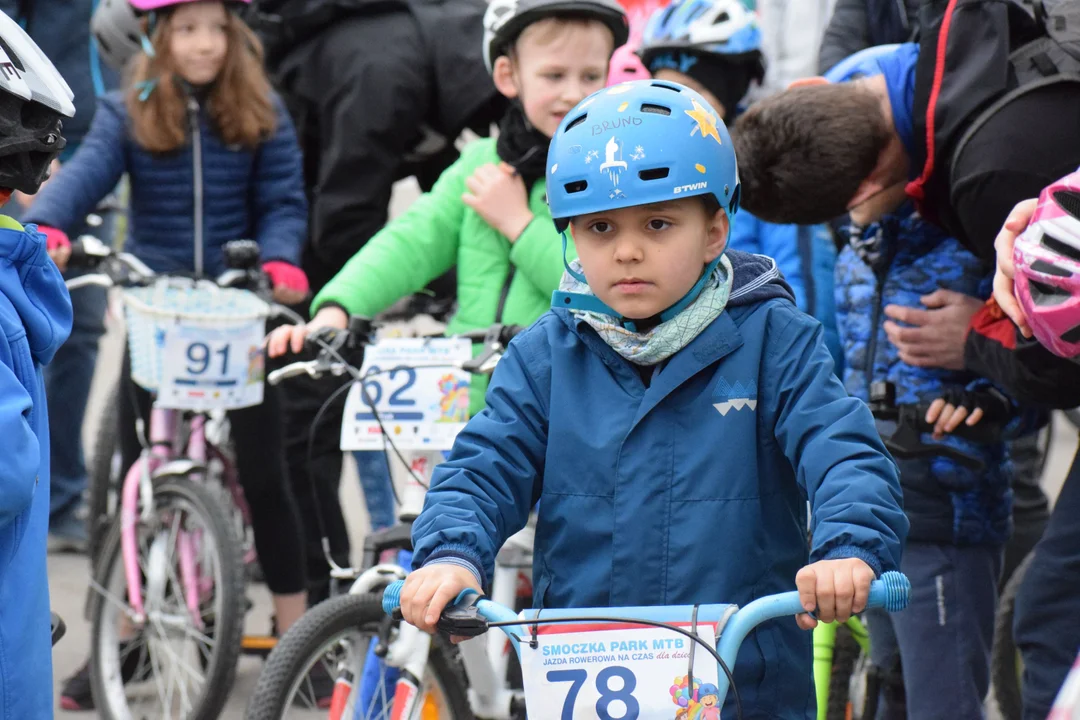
[126, 270]
[495, 338]
[470, 616]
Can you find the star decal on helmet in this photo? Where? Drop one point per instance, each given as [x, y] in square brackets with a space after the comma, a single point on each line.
[706, 122]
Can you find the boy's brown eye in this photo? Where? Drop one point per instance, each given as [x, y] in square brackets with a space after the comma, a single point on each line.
[658, 224]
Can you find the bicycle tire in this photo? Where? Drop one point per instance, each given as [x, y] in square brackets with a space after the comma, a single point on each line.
[846, 653]
[295, 652]
[1004, 660]
[228, 626]
[103, 482]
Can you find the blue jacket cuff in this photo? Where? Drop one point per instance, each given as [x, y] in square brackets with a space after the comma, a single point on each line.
[460, 555]
[853, 551]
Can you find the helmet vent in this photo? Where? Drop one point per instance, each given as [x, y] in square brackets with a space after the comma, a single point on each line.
[1049, 269]
[11, 55]
[576, 186]
[722, 18]
[1062, 248]
[654, 173]
[575, 122]
[1069, 200]
[1071, 336]
[655, 109]
[665, 86]
[1047, 295]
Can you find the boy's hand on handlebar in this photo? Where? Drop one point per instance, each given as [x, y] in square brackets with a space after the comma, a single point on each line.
[946, 417]
[835, 589]
[290, 338]
[430, 589]
[1015, 224]
[966, 406]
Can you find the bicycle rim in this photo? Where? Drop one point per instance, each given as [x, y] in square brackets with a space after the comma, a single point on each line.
[173, 668]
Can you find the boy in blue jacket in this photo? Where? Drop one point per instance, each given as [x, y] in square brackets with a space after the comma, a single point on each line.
[35, 318]
[672, 414]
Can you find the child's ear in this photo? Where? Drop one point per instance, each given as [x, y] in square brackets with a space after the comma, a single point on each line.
[503, 75]
[718, 235]
[806, 82]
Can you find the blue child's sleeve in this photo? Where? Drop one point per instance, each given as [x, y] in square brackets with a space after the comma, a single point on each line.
[830, 439]
[483, 493]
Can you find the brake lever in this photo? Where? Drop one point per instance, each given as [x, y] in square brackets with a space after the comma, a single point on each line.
[463, 618]
[495, 341]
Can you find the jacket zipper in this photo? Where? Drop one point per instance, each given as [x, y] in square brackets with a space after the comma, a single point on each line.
[502, 295]
[196, 150]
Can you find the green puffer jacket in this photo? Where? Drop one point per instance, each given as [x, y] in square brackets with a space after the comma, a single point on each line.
[497, 280]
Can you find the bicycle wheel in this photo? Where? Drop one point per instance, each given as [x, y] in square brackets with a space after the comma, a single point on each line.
[170, 667]
[846, 652]
[1005, 665]
[333, 638]
[105, 472]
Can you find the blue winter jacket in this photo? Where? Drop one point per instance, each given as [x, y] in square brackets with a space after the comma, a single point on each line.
[35, 315]
[690, 490]
[896, 262]
[806, 255]
[256, 195]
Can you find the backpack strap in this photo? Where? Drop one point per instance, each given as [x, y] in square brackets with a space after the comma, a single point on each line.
[996, 107]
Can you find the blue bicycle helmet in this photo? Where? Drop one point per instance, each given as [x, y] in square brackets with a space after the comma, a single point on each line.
[636, 143]
[705, 27]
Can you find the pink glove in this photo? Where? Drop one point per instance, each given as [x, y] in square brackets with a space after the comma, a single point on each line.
[282, 274]
[56, 239]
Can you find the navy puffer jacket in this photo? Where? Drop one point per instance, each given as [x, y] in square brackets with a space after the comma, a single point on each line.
[246, 194]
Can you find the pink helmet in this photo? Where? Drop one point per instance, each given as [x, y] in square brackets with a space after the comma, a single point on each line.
[1047, 258]
[626, 66]
[151, 5]
[625, 63]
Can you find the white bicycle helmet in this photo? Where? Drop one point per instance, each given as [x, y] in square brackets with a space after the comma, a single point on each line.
[708, 27]
[33, 101]
[118, 31]
[505, 19]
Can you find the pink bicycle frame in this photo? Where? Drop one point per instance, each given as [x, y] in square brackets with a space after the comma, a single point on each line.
[163, 448]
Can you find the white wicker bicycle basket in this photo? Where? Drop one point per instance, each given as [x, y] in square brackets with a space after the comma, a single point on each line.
[150, 311]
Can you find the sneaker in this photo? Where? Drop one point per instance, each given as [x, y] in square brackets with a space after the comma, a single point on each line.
[68, 533]
[76, 694]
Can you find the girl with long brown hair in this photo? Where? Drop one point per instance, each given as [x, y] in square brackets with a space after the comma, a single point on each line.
[212, 157]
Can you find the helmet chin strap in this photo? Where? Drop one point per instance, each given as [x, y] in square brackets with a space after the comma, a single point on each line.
[593, 304]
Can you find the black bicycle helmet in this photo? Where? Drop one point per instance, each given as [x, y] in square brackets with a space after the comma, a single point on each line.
[505, 19]
[34, 99]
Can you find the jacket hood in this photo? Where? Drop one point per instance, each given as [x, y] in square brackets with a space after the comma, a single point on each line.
[756, 278]
[35, 288]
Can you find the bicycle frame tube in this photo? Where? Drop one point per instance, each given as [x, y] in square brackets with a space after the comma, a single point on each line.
[162, 428]
[824, 643]
[189, 573]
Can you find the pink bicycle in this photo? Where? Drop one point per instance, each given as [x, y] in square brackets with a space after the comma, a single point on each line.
[168, 604]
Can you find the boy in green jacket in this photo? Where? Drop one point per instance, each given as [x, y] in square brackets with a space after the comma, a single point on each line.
[488, 213]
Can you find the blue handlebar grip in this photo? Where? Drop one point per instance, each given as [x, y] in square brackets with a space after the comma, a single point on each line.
[391, 599]
[891, 592]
